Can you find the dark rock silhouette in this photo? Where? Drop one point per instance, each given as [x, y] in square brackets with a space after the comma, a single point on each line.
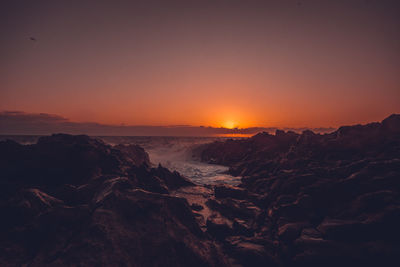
[305, 200]
[323, 200]
[134, 154]
[73, 200]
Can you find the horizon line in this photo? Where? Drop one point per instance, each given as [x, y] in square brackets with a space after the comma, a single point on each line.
[62, 119]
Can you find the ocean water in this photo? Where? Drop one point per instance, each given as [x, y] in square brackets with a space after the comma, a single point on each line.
[173, 153]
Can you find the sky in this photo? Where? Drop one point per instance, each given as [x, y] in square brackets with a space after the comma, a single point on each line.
[202, 63]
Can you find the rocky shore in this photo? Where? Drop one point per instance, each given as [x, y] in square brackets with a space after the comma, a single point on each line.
[309, 199]
[75, 201]
[305, 200]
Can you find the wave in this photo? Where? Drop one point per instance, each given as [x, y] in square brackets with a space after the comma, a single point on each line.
[175, 153]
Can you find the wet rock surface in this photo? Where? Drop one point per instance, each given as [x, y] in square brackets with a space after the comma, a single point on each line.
[309, 199]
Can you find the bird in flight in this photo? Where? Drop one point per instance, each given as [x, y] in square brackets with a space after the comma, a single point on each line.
[32, 38]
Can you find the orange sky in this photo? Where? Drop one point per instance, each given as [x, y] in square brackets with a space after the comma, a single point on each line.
[214, 63]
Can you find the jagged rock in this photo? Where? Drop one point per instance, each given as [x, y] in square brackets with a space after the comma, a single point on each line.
[241, 227]
[148, 182]
[219, 227]
[73, 200]
[135, 154]
[291, 231]
[335, 229]
[173, 180]
[224, 191]
[392, 123]
[196, 207]
[232, 208]
[249, 252]
[25, 206]
[322, 196]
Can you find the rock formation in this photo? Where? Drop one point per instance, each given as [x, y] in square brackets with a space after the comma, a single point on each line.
[75, 201]
[309, 199]
[305, 200]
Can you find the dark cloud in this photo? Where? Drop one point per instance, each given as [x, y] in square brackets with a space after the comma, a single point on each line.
[21, 123]
[19, 116]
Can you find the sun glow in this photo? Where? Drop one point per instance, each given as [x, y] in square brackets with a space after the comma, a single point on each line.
[229, 124]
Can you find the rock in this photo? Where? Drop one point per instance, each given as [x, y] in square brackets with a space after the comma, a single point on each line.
[58, 159]
[392, 123]
[241, 227]
[224, 191]
[291, 231]
[383, 225]
[73, 200]
[285, 199]
[132, 226]
[25, 206]
[305, 200]
[232, 208]
[38, 200]
[372, 202]
[335, 229]
[219, 227]
[173, 180]
[310, 233]
[151, 183]
[135, 154]
[249, 253]
[329, 196]
[196, 207]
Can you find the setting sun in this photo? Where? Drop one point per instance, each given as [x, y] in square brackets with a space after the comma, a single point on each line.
[229, 124]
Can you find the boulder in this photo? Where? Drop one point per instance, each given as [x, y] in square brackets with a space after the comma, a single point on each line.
[173, 180]
[232, 208]
[134, 154]
[336, 229]
[219, 227]
[249, 252]
[196, 207]
[291, 231]
[224, 191]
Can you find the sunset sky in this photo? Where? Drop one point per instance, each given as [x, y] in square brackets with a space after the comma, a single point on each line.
[214, 63]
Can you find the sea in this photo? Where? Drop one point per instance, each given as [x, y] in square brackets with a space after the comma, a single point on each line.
[172, 152]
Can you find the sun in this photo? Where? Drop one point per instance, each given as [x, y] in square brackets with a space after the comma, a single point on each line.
[229, 124]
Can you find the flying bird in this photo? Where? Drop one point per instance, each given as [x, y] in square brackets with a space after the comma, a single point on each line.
[32, 38]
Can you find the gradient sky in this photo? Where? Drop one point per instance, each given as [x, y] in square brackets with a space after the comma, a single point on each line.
[218, 63]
